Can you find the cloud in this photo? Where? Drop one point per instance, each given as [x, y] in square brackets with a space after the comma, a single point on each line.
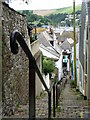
[42, 4]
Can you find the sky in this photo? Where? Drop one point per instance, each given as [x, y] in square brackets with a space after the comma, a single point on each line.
[42, 4]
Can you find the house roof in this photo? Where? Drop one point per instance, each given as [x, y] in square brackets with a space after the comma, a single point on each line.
[44, 39]
[47, 36]
[65, 45]
[49, 52]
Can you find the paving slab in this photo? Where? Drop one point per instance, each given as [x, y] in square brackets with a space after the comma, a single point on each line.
[72, 103]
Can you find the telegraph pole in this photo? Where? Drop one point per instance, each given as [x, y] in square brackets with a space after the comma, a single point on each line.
[75, 78]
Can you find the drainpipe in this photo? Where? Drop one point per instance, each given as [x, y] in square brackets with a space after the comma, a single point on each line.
[88, 54]
[75, 77]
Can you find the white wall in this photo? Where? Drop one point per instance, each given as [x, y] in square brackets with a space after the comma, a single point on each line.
[59, 66]
[47, 81]
[81, 83]
[47, 53]
[78, 75]
[77, 57]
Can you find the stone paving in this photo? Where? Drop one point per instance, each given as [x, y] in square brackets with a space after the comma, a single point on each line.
[42, 106]
[72, 104]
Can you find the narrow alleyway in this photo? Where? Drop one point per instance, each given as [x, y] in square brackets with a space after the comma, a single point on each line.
[71, 104]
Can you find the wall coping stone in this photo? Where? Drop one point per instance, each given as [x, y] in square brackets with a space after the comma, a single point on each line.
[12, 9]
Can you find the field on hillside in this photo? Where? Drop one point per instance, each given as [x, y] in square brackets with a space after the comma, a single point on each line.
[43, 12]
[67, 10]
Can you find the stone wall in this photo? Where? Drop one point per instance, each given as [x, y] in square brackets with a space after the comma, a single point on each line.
[14, 67]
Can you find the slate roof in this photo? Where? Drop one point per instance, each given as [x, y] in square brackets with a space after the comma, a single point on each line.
[44, 39]
[65, 45]
[51, 51]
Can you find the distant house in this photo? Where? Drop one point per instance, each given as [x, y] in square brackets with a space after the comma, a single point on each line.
[66, 51]
[66, 45]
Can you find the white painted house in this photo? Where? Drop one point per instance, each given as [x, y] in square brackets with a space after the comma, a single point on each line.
[51, 51]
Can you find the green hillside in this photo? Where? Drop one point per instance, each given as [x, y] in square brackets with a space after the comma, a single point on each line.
[53, 18]
[67, 10]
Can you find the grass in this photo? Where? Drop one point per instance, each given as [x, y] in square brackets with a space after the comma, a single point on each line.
[73, 84]
[59, 107]
[43, 94]
[38, 97]
[67, 10]
[17, 106]
[64, 10]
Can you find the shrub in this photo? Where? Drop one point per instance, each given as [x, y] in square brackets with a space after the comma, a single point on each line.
[48, 66]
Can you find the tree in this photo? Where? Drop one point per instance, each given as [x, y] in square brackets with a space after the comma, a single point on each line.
[39, 24]
[48, 66]
[24, 1]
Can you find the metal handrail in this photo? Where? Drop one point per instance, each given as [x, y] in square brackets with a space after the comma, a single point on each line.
[16, 35]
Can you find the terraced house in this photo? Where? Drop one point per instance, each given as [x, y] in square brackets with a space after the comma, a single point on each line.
[84, 78]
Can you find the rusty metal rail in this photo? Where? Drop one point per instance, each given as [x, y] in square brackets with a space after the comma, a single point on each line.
[16, 35]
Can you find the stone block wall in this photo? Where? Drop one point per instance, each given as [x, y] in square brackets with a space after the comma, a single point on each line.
[14, 67]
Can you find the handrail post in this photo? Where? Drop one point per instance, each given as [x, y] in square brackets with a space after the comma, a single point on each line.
[14, 37]
[56, 96]
[49, 104]
[54, 101]
[31, 91]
